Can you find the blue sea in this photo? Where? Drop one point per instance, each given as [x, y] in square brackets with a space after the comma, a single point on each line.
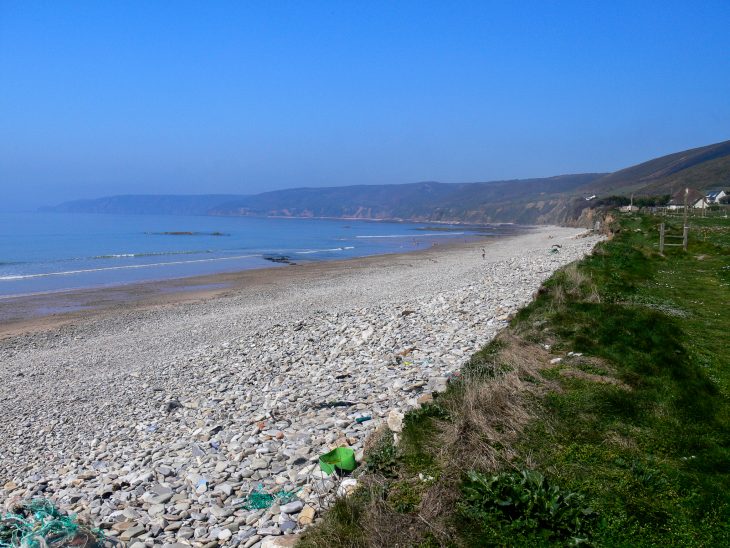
[46, 252]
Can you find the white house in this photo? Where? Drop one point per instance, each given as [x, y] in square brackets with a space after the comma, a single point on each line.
[694, 198]
[714, 196]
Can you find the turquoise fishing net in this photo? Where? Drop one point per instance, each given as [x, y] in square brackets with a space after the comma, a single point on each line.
[37, 523]
[258, 499]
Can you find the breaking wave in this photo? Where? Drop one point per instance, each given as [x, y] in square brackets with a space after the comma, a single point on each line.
[121, 267]
[414, 235]
[308, 251]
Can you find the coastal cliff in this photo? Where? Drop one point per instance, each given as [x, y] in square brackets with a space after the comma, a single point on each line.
[550, 200]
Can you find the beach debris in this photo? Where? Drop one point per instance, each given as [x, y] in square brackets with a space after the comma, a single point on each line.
[341, 458]
[362, 419]
[37, 523]
[259, 499]
[330, 404]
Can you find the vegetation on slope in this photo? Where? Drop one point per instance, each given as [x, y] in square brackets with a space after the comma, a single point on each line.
[428, 201]
[555, 200]
[702, 168]
[625, 441]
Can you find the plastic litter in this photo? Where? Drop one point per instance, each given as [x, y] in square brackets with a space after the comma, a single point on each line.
[360, 420]
[342, 458]
[330, 404]
[37, 523]
[258, 499]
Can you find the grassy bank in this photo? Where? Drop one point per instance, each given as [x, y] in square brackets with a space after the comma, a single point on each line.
[600, 417]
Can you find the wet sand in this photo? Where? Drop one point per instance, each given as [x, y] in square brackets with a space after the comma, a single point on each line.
[46, 311]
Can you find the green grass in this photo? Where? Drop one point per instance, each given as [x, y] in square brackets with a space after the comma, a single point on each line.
[653, 456]
[634, 434]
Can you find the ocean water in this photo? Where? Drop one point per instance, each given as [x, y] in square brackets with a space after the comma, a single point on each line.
[44, 252]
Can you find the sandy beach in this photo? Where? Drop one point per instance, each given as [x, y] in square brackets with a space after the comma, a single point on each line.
[42, 311]
[152, 409]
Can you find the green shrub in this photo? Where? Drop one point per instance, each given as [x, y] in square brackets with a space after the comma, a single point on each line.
[383, 458]
[523, 505]
[403, 496]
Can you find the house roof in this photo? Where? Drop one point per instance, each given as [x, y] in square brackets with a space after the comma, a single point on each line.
[714, 193]
[693, 196]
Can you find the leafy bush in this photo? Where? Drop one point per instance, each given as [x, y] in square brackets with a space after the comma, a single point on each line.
[524, 505]
[404, 496]
[383, 458]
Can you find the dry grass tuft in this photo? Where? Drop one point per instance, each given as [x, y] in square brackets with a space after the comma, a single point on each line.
[487, 414]
[376, 437]
[622, 442]
[382, 525]
[440, 499]
[582, 375]
[579, 285]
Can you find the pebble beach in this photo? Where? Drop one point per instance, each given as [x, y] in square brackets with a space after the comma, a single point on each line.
[156, 423]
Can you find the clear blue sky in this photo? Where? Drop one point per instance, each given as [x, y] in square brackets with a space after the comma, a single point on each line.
[101, 98]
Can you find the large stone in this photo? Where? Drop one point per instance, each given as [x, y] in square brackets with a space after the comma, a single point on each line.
[132, 532]
[347, 487]
[288, 526]
[292, 507]
[288, 541]
[395, 421]
[161, 499]
[306, 516]
[156, 510]
[260, 464]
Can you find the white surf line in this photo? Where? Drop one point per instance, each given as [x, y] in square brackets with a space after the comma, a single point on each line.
[307, 252]
[68, 272]
[413, 235]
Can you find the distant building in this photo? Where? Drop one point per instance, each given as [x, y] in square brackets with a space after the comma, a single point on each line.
[694, 198]
[629, 209]
[714, 196]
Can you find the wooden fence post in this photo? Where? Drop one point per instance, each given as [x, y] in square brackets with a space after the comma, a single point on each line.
[661, 238]
[685, 234]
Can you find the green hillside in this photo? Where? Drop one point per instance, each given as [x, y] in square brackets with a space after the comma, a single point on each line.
[701, 168]
[515, 200]
[549, 200]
